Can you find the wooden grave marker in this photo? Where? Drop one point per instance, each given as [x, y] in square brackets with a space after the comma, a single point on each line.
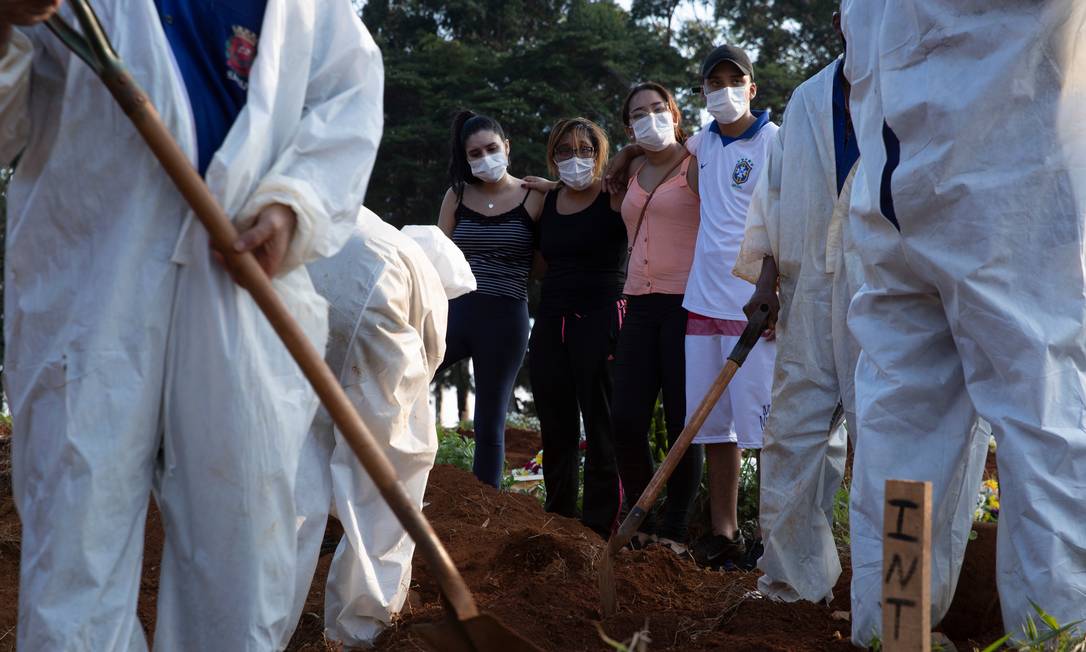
[906, 567]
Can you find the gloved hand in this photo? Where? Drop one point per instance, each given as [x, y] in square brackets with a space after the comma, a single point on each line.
[765, 292]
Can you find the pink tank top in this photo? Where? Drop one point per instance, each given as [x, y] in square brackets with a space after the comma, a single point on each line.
[661, 256]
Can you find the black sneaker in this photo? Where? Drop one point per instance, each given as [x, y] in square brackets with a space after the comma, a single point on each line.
[754, 553]
[641, 540]
[718, 552]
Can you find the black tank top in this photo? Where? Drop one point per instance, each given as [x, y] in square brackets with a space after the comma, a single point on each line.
[586, 256]
[498, 248]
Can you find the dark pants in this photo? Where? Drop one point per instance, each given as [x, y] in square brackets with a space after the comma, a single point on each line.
[651, 357]
[571, 381]
[493, 332]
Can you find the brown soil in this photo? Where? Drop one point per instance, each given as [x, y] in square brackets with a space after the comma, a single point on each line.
[537, 573]
[974, 613]
[520, 445]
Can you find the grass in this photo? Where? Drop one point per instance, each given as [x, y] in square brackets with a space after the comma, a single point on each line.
[454, 449]
[1048, 636]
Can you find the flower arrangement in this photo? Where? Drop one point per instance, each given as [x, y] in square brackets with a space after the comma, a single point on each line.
[987, 510]
[533, 466]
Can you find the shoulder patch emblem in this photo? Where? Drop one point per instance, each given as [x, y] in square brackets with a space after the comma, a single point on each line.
[240, 52]
[741, 173]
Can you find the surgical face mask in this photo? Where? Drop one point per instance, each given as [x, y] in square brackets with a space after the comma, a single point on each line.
[729, 103]
[655, 131]
[576, 172]
[490, 168]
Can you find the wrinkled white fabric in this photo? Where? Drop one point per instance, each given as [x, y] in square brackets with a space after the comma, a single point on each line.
[974, 300]
[448, 259]
[387, 320]
[803, 460]
[132, 360]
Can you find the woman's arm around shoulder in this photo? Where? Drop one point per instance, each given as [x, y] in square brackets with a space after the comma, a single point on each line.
[446, 217]
[533, 203]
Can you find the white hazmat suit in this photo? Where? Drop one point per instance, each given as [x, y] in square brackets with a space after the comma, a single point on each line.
[803, 461]
[133, 360]
[387, 320]
[971, 119]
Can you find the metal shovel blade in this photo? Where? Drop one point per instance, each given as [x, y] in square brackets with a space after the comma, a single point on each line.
[482, 633]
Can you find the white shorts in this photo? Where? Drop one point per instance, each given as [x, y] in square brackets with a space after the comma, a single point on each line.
[740, 415]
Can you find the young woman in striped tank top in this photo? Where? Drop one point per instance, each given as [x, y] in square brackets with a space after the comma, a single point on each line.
[662, 214]
[492, 219]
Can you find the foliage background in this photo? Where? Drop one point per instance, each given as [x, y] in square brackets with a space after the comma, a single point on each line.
[529, 63]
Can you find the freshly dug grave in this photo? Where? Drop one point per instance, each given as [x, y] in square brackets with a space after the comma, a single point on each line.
[537, 573]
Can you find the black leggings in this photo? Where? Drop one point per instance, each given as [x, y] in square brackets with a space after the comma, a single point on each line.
[493, 332]
[571, 380]
[651, 357]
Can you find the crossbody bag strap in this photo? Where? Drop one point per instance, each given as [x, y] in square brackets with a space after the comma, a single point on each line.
[641, 217]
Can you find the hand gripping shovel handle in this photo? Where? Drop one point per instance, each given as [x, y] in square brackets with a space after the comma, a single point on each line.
[94, 48]
[753, 331]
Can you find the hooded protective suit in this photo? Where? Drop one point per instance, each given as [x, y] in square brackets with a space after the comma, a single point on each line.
[971, 118]
[803, 461]
[132, 359]
[387, 318]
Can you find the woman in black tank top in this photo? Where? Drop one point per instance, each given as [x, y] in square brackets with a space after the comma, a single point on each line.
[582, 240]
[493, 221]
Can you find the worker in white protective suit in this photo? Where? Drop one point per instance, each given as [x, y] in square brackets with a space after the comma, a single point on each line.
[132, 359]
[788, 240]
[388, 294]
[971, 118]
[798, 224]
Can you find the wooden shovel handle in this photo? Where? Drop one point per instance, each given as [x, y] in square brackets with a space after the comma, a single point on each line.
[738, 355]
[251, 276]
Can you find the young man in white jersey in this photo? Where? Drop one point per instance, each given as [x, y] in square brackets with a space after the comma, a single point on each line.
[731, 153]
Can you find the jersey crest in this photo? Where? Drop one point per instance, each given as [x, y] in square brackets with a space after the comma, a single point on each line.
[240, 52]
[741, 173]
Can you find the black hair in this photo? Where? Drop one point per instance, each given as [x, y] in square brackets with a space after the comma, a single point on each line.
[465, 125]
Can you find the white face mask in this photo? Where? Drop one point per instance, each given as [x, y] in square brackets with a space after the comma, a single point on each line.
[577, 173]
[655, 131]
[728, 104]
[490, 168]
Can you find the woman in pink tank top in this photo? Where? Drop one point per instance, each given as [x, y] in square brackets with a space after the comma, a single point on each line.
[650, 355]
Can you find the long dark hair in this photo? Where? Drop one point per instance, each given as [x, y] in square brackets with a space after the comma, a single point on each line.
[669, 99]
[465, 125]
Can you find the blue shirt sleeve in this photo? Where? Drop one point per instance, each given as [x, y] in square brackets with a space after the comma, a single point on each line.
[214, 43]
[845, 148]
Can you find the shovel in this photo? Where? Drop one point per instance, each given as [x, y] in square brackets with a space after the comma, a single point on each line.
[467, 630]
[633, 520]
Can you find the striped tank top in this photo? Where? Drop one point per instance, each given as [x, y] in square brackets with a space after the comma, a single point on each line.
[498, 248]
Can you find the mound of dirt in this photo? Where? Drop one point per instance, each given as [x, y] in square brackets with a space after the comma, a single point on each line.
[537, 573]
